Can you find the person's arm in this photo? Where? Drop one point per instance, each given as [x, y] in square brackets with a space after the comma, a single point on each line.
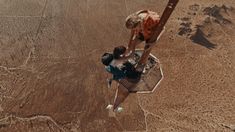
[131, 45]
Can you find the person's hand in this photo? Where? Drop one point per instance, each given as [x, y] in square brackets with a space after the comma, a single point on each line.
[128, 53]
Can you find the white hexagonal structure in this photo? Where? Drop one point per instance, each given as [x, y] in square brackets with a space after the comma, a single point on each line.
[149, 80]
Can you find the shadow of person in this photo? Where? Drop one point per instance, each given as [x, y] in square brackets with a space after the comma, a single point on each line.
[200, 38]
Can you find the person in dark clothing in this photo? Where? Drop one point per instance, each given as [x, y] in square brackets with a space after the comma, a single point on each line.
[114, 64]
[130, 70]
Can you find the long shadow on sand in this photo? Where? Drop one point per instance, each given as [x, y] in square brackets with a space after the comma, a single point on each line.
[200, 38]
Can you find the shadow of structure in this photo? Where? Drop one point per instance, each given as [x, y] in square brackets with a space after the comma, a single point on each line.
[200, 38]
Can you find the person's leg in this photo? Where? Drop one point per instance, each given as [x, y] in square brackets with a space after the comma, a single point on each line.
[114, 77]
[132, 46]
[143, 60]
[109, 80]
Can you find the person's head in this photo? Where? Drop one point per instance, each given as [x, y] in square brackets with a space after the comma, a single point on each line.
[132, 21]
[118, 51]
[106, 58]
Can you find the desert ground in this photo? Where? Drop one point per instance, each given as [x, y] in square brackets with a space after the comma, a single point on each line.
[52, 80]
